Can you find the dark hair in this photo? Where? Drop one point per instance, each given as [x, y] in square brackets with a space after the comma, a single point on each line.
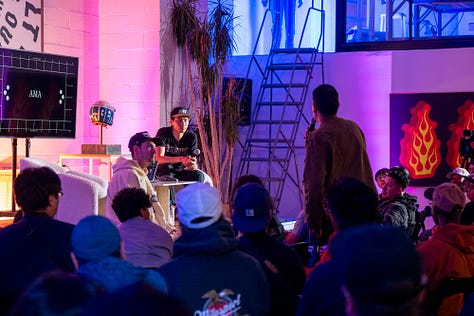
[326, 99]
[383, 171]
[351, 203]
[246, 178]
[400, 175]
[56, 293]
[128, 203]
[33, 186]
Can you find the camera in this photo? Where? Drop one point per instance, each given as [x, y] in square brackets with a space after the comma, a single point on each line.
[466, 143]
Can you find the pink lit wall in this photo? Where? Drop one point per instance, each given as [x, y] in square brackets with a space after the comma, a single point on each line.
[118, 46]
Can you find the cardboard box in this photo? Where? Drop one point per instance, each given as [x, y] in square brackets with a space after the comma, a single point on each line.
[97, 149]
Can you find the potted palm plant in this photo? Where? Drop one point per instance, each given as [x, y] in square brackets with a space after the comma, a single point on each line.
[207, 42]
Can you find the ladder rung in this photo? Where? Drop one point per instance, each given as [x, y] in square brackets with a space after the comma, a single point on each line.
[272, 179]
[294, 50]
[266, 140]
[285, 66]
[284, 85]
[282, 103]
[265, 159]
[274, 122]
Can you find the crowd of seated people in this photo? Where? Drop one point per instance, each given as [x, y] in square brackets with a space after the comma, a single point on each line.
[241, 263]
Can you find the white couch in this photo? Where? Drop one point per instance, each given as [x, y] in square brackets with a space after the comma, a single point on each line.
[84, 194]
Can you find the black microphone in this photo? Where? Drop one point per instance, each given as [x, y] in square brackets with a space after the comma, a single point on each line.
[196, 152]
[312, 125]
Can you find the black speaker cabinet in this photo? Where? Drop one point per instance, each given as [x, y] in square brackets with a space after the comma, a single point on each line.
[246, 104]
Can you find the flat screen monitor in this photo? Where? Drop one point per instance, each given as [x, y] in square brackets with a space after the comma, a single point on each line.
[39, 94]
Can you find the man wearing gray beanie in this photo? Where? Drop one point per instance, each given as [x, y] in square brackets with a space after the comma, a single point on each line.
[96, 248]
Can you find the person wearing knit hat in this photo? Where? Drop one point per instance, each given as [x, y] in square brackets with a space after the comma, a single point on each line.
[208, 271]
[96, 250]
[397, 208]
[252, 207]
[450, 251]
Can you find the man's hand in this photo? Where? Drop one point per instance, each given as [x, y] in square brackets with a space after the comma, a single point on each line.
[190, 162]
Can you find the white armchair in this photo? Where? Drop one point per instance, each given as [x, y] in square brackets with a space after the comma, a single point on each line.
[84, 194]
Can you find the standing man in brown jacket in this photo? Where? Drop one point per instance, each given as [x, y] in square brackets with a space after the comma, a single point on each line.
[337, 148]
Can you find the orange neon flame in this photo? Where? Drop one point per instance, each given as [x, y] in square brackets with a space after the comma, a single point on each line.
[419, 147]
[465, 121]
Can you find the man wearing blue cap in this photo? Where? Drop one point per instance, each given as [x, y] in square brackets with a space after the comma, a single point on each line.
[252, 210]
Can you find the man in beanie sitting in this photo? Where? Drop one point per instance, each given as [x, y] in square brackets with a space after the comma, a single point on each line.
[450, 252]
[96, 249]
[251, 214]
[397, 207]
[133, 174]
[208, 271]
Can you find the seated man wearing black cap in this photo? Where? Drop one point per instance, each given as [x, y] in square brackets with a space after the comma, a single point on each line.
[397, 207]
[177, 148]
[133, 174]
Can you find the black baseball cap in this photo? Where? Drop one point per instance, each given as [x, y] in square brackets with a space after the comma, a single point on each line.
[180, 111]
[138, 139]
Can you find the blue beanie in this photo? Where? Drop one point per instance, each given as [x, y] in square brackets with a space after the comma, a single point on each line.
[94, 238]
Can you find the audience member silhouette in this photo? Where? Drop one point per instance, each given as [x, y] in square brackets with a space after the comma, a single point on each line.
[96, 247]
[284, 269]
[382, 272]
[351, 203]
[38, 243]
[208, 271]
[274, 228]
[380, 176]
[138, 299]
[450, 251]
[397, 208]
[467, 215]
[145, 244]
[56, 293]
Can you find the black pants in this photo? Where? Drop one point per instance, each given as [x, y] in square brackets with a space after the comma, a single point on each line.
[183, 175]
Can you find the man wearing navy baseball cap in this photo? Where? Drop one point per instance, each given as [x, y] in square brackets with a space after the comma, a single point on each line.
[252, 211]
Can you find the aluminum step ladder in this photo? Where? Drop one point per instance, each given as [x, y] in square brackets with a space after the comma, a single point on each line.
[269, 148]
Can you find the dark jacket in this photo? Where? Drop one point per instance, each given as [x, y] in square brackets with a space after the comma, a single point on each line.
[284, 269]
[208, 272]
[28, 248]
